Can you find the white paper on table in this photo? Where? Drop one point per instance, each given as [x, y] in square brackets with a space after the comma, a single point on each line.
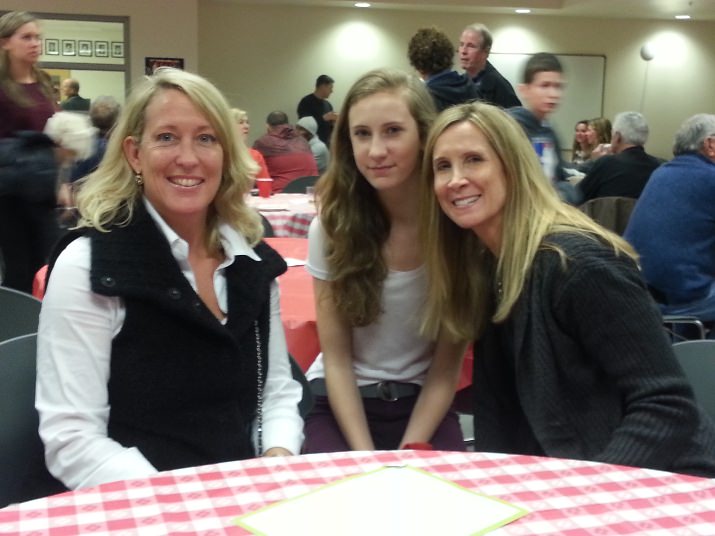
[290, 261]
[390, 501]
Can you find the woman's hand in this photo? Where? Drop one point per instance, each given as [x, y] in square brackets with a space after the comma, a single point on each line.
[277, 451]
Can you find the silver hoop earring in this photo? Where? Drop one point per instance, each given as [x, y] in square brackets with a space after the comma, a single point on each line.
[139, 179]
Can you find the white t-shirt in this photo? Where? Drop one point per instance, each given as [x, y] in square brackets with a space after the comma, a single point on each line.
[391, 348]
[73, 362]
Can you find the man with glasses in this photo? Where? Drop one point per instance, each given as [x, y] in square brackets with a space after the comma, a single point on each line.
[475, 44]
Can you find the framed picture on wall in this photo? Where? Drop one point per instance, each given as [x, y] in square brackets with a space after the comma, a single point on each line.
[101, 49]
[84, 48]
[117, 49]
[69, 47]
[52, 47]
[152, 64]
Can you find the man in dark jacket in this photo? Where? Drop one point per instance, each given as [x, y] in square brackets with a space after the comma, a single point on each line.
[73, 102]
[475, 43]
[430, 52]
[625, 172]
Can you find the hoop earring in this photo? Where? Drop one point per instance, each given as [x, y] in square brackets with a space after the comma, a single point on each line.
[139, 179]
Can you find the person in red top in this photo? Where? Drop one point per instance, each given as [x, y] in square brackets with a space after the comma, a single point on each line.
[27, 228]
[287, 154]
[244, 125]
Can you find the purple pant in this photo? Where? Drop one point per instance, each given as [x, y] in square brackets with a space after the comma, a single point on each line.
[387, 422]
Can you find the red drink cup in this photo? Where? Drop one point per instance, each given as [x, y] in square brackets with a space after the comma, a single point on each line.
[264, 187]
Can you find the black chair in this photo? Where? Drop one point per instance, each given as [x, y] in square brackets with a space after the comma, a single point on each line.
[306, 402]
[23, 474]
[698, 361]
[298, 186]
[19, 313]
[267, 227]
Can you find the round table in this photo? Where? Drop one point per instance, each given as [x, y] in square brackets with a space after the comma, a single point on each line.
[563, 497]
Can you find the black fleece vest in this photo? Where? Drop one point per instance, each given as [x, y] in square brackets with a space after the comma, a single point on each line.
[182, 387]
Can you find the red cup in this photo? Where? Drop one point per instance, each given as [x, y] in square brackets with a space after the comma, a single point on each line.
[264, 187]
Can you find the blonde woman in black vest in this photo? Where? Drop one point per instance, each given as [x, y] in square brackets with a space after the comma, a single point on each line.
[160, 342]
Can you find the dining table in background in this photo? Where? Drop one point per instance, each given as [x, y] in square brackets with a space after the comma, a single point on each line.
[563, 497]
[289, 214]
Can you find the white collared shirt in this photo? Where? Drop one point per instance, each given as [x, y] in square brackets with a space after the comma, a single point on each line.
[75, 337]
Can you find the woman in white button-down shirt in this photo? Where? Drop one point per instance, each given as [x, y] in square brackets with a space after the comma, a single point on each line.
[160, 341]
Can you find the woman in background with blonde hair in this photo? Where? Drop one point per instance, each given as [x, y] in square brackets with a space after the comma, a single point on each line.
[241, 119]
[160, 342]
[571, 359]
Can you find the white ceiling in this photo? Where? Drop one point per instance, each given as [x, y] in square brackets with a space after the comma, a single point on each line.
[699, 10]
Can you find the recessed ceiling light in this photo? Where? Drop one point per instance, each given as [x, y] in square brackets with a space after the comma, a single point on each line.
[522, 11]
[362, 4]
[682, 17]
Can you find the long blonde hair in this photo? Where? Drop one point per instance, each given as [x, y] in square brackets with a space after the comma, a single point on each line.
[10, 23]
[109, 195]
[462, 272]
[355, 224]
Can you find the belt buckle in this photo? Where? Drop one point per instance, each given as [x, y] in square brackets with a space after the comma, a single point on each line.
[387, 391]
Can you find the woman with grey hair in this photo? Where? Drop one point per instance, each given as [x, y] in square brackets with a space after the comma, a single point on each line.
[673, 225]
[160, 342]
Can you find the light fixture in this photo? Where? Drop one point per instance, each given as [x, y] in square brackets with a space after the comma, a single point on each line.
[522, 11]
[362, 4]
[682, 17]
[647, 52]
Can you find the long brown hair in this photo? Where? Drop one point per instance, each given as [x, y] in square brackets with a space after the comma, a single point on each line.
[355, 224]
[9, 24]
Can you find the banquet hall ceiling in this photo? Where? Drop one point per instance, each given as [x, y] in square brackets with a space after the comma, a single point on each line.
[637, 9]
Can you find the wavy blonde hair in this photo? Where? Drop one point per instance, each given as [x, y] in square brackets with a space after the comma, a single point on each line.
[355, 224]
[461, 271]
[109, 195]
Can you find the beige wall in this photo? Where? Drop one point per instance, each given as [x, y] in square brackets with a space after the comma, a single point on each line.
[158, 28]
[267, 57]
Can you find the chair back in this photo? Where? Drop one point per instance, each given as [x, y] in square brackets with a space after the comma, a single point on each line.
[268, 231]
[298, 186]
[698, 361]
[612, 213]
[19, 313]
[23, 474]
[306, 402]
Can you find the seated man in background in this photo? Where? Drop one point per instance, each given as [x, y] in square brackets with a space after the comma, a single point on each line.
[287, 154]
[625, 172]
[73, 102]
[673, 224]
[308, 128]
[431, 52]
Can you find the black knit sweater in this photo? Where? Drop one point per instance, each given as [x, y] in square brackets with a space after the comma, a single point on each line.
[589, 373]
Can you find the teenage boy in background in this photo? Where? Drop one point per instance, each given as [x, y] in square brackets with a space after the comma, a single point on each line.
[541, 90]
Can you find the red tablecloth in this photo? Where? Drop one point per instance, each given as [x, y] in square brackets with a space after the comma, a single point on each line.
[564, 497]
[289, 214]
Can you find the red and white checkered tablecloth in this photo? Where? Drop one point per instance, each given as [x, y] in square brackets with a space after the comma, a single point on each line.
[289, 214]
[564, 497]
